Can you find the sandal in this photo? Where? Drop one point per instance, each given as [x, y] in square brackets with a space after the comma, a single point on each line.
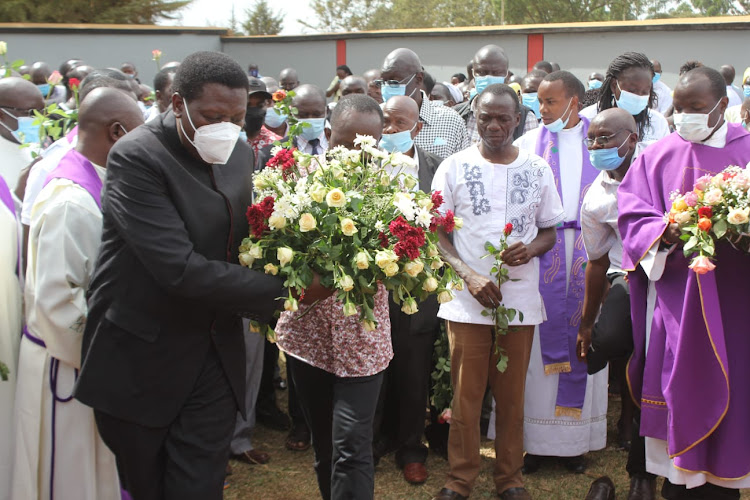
[298, 439]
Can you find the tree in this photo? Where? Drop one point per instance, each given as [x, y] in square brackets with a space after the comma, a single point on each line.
[90, 11]
[262, 21]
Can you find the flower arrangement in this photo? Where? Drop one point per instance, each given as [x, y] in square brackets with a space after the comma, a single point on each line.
[353, 218]
[717, 208]
[501, 315]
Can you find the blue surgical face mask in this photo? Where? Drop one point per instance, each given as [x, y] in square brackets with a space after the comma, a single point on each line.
[656, 78]
[388, 91]
[746, 91]
[314, 130]
[532, 102]
[630, 102]
[608, 158]
[559, 124]
[482, 82]
[400, 142]
[273, 119]
[243, 136]
[595, 84]
[27, 132]
[44, 89]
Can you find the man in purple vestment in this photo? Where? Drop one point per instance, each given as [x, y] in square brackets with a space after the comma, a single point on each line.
[690, 377]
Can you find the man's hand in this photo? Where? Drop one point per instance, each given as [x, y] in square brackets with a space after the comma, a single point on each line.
[672, 234]
[484, 290]
[516, 255]
[583, 342]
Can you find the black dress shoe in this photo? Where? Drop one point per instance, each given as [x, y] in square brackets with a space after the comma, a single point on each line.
[273, 418]
[575, 464]
[601, 489]
[515, 494]
[642, 488]
[531, 464]
[448, 494]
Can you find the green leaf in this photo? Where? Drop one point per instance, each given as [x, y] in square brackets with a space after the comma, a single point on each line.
[720, 228]
[502, 363]
[692, 241]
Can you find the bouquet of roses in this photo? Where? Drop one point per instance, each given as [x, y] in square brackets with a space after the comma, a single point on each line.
[352, 217]
[718, 207]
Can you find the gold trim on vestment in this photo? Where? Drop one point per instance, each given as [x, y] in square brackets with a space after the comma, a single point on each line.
[563, 411]
[557, 368]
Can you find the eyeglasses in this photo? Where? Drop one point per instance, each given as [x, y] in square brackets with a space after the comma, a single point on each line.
[393, 83]
[19, 112]
[602, 140]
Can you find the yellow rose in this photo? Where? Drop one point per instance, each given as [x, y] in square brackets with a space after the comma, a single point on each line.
[432, 251]
[318, 192]
[458, 222]
[368, 325]
[430, 284]
[385, 180]
[391, 269]
[409, 181]
[348, 227]
[285, 255]
[256, 252]
[346, 283]
[3, 48]
[350, 309]
[258, 183]
[362, 260]
[253, 327]
[277, 221]
[384, 257]
[413, 268]
[271, 269]
[410, 306]
[445, 296]
[425, 203]
[336, 198]
[246, 259]
[307, 222]
[338, 172]
[738, 215]
[682, 217]
[436, 263]
[679, 204]
[458, 285]
[291, 305]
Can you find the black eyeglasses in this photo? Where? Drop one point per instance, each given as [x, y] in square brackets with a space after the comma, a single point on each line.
[602, 140]
[393, 83]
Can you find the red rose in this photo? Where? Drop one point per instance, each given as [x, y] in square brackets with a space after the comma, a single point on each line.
[706, 212]
[437, 199]
[508, 229]
[74, 83]
[704, 224]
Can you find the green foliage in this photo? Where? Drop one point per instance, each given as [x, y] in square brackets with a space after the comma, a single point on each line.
[442, 391]
[4, 372]
[90, 11]
[261, 20]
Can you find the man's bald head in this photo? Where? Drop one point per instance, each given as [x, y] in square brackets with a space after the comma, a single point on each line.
[105, 116]
[615, 119]
[310, 101]
[271, 84]
[657, 65]
[404, 106]
[353, 84]
[288, 79]
[727, 71]
[402, 59]
[18, 98]
[40, 72]
[490, 53]
[371, 74]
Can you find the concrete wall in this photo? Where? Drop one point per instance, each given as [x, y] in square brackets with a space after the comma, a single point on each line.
[578, 47]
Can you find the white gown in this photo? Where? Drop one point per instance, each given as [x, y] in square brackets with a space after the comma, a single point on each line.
[64, 240]
[11, 316]
[544, 433]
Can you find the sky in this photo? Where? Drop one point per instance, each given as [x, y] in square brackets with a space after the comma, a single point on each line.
[218, 12]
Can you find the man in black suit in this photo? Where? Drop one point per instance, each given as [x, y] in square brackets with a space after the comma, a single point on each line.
[163, 350]
[407, 378]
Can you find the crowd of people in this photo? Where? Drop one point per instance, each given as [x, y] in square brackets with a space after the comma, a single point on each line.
[133, 372]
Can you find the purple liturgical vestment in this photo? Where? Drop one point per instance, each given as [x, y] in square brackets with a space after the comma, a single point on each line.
[692, 384]
[77, 168]
[563, 293]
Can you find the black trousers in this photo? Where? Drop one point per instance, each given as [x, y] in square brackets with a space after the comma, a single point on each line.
[186, 460]
[612, 335]
[339, 412]
[706, 492]
[403, 400]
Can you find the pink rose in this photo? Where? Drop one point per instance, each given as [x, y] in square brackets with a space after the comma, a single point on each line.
[702, 265]
[703, 182]
[713, 197]
[691, 199]
[54, 78]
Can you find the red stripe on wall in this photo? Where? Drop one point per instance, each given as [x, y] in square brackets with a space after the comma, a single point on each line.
[340, 52]
[534, 50]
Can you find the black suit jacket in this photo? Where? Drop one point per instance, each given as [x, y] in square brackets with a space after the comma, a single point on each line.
[167, 286]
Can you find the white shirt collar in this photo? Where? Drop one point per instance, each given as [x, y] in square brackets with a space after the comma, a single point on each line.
[719, 139]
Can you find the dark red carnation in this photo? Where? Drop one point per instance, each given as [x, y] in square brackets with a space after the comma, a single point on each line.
[407, 248]
[706, 212]
[437, 199]
[448, 222]
[383, 239]
[284, 160]
[434, 223]
[258, 214]
[508, 229]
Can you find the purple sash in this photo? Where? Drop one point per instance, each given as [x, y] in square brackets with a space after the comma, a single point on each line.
[77, 168]
[6, 197]
[558, 334]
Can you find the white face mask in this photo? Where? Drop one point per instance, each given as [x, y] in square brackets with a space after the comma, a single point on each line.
[694, 127]
[214, 142]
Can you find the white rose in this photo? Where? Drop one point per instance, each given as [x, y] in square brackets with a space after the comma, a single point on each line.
[346, 283]
[336, 198]
[681, 217]
[432, 251]
[291, 305]
[246, 259]
[413, 268]
[271, 269]
[368, 325]
[458, 285]
[3, 48]
[350, 309]
[410, 306]
[255, 251]
[362, 260]
[738, 216]
[425, 203]
[430, 284]
[436, 263]
[285, 255]
[318, 192]
[712, 197]
[276, 221]
[384, 257]
[458, 222]
[391, 269]
[409, 181]
[445, 296]
[348, 227]
[307, 222]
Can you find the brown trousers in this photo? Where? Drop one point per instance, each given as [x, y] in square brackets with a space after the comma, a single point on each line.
[473, 362]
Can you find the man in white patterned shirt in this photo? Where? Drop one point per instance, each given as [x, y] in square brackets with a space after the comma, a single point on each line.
[490, 65]
[443, 131]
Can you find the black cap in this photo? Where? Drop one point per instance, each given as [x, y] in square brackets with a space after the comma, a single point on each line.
[256, 85]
